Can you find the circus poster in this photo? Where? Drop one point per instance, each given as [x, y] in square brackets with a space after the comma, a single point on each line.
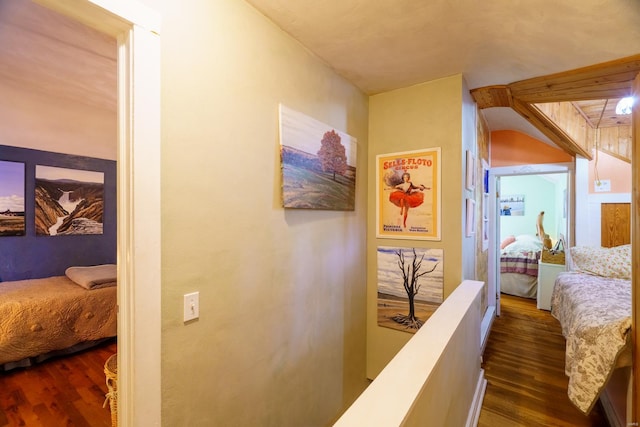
[408, 195]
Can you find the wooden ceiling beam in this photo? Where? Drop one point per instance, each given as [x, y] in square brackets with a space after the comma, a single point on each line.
[552, 131]
[584, 116]
[616, 155]
[608, 80]
[614, 87]
[567, 118]
[492, 96]
[611, 79]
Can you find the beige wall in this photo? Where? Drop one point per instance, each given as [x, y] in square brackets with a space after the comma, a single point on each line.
[417, 117]
[281, 335]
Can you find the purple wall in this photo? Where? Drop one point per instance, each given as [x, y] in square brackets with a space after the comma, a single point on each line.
[31, 256]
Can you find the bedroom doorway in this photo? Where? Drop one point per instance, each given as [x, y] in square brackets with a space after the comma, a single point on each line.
[137, 29]
[520, 194]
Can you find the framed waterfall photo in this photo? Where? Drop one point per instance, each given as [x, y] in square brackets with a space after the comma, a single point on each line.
[408, 195]
[68, 201]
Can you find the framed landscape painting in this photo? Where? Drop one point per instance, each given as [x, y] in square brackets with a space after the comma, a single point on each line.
[68, 201]
[12, 188]
[318, 164]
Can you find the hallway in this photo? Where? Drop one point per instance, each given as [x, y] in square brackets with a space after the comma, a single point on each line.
[524, 367]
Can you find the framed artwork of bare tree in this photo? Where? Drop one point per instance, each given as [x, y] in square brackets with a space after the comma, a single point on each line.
[410, 286]
[408, 195]
[318, 164]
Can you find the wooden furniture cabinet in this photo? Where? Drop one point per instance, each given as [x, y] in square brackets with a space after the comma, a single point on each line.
[615, 224]
[546, 279]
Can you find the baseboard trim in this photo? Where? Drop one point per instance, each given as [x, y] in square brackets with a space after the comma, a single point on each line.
[485, 327]
[478, 397]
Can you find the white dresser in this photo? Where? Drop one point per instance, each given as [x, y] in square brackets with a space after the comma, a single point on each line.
[546, 278]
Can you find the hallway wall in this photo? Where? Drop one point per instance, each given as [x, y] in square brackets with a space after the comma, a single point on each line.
[281, 335]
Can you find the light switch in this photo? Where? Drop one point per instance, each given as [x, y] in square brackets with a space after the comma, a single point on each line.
[191, 306]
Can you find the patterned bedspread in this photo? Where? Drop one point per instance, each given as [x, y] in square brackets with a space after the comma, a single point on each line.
[524, 262]
[595, 315]
[42, 315]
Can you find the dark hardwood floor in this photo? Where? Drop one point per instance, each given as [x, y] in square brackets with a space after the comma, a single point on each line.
[523, 363]
[66, 391]
[524, 367]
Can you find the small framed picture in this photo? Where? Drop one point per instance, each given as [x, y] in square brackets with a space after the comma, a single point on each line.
[471, 171]
[471, 218]
[12, 192]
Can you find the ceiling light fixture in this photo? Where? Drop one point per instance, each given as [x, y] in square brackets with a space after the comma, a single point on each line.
[624, 105]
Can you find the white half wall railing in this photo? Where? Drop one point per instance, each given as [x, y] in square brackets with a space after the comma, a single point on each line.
[436, 379]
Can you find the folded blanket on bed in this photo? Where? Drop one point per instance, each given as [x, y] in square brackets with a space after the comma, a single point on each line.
[93, 277]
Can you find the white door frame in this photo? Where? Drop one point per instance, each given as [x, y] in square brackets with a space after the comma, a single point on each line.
[137, 29]
[494, 238]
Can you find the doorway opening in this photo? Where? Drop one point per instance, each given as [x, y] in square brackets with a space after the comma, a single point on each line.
[524, 196]
[137, 29]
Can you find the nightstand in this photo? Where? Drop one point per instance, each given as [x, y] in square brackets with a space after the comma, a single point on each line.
[546, 279]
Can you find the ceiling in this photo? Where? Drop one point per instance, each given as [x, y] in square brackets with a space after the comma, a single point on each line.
[55, 56]
[385, 45]
[378, 46]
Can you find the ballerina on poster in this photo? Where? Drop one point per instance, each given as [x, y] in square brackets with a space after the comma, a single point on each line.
[409, 195]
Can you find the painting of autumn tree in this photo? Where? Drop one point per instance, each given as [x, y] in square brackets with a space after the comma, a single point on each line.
[318, 164]
[333, 158]
[410, 286]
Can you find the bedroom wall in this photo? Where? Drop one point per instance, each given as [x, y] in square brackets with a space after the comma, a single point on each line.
[618, 172]
[607, 167]
[540, 194]
[57, 108]
[31, 256]
[281, 335]
[417, 117]
[511, 148]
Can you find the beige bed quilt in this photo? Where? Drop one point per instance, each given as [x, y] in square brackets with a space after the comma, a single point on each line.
[42, 315]
[595, 315]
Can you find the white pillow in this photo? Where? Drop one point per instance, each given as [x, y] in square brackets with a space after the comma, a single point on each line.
[607, 262]
[524, 243]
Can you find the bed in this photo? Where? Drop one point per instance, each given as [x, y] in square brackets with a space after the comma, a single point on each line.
[519, 257]
[592, 302]
[54, 315]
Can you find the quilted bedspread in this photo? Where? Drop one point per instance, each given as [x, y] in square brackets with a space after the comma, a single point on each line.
[595, 315]
[524, 262]
[42, 315]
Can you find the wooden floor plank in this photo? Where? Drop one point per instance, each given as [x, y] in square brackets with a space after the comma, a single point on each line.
[524, 367]
[65, 391]
[523, 363]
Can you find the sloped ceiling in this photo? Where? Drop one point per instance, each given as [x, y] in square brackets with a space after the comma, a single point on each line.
[378, 46]
[384, 45]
